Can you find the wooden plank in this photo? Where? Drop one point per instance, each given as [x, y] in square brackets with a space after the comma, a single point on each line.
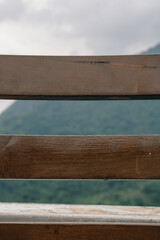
[78, 231]
[80, 77]
[80, 157]
[60, 213]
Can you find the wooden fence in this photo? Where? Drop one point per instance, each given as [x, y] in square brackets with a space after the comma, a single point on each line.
[80, 157]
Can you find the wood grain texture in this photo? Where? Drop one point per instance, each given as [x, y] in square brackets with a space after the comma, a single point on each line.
[68, 213]
[80, 157]
[80, 77]
[78, 231]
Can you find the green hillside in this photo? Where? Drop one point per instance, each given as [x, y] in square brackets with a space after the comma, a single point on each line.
[74, 117]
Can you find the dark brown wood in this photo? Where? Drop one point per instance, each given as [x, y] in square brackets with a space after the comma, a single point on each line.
[78, 231]
[80, 77]
[80, 157]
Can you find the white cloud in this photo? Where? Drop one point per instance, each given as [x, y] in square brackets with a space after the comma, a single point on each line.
[37, 32]
[4, 104]
[38, 40]
[36, 4]
[109, 26]
[12, 10]
[82, 27]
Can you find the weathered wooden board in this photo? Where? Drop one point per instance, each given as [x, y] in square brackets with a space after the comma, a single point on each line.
[60, 213]
[80, 157]
[78, 232]
[80, 77]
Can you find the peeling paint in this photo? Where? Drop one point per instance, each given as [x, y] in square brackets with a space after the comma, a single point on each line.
[19, 212]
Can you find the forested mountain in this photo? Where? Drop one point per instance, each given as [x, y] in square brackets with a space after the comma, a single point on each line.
[153, 50]
[74, 117]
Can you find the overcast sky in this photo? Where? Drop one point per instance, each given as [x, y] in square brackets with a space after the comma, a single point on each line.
[84, 27]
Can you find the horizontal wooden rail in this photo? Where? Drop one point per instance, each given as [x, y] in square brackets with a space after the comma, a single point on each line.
[80, 157]
[70, 222]
[60, 213]
[70, 231]
[81, 77]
